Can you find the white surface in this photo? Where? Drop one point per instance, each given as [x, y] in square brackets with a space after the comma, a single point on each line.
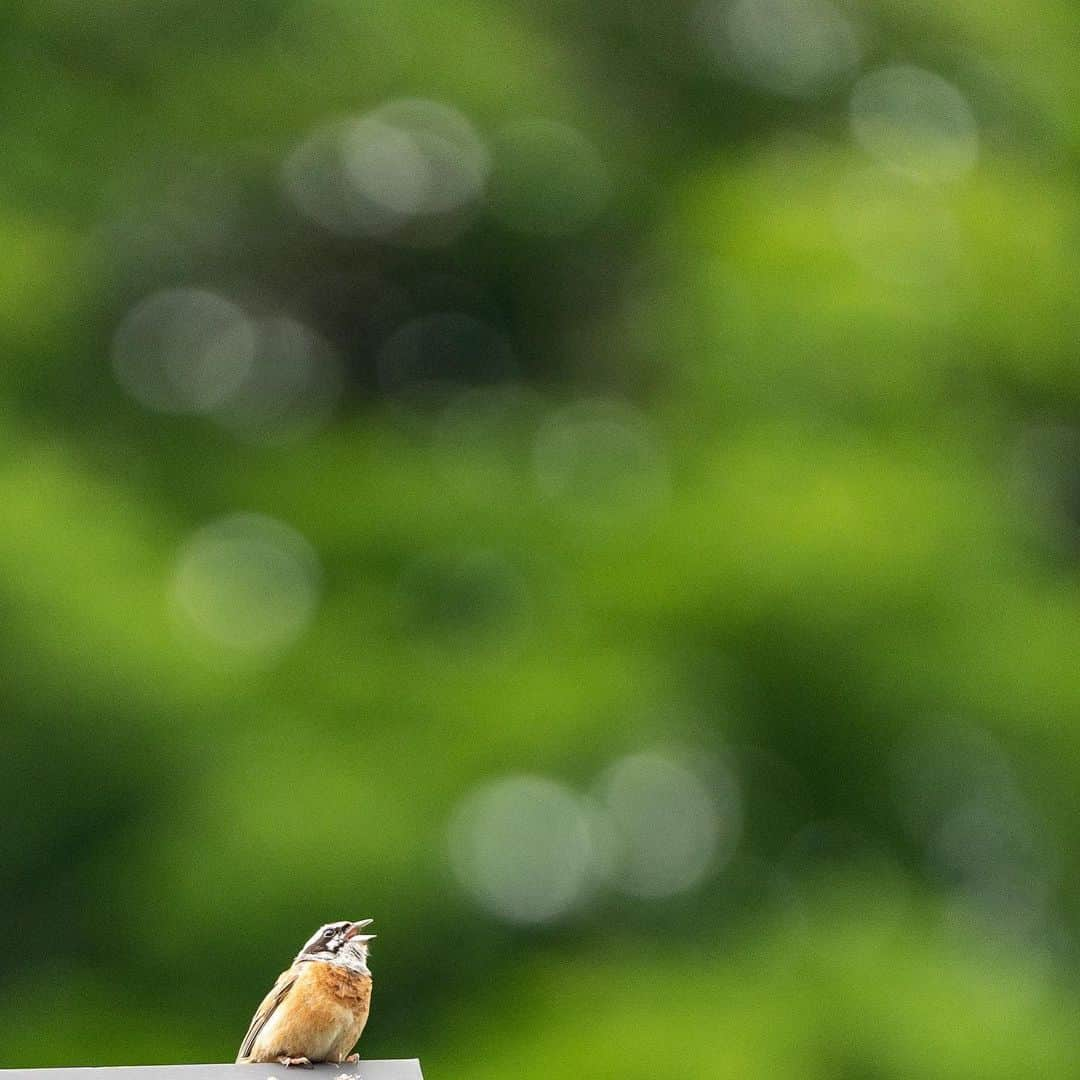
[366, 1070]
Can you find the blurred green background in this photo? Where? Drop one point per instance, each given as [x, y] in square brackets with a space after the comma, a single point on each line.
[594, 487]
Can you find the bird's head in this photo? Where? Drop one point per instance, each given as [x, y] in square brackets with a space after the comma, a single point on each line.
[339, 943]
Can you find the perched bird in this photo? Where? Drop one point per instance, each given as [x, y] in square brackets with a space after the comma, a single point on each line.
[319, 1006]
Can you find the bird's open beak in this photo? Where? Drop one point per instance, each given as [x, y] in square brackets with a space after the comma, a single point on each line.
[356, 927]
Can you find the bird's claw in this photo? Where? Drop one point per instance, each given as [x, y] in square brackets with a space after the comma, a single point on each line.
[303, 1062]
[352, 1059]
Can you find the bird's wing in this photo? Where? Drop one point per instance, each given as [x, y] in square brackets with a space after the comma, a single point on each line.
[277, 995]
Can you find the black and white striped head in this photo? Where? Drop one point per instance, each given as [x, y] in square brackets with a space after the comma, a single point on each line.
[339, 943]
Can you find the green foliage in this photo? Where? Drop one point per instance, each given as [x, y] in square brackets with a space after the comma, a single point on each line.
[782, 481]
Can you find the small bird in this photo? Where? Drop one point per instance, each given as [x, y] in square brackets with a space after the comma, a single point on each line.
[319, 1006]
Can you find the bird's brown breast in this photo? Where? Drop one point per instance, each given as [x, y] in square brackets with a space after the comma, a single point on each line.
[320, 1016]
[327, 995]
[348, 987]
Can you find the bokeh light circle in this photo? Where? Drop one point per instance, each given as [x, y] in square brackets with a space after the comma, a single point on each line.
[183, 350]
[796, 48]
[291, 389]
[376, 174]
[916, 123]
[523, 847]
[669, 827]
[448, 161]
[247, 583]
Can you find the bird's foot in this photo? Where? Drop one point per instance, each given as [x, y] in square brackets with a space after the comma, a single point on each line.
[352, 1059]
[303, 1062]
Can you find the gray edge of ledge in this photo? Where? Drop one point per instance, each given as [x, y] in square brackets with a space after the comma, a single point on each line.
[406, 1069]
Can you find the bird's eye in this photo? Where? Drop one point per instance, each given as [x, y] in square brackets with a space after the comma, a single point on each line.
[328, 935]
